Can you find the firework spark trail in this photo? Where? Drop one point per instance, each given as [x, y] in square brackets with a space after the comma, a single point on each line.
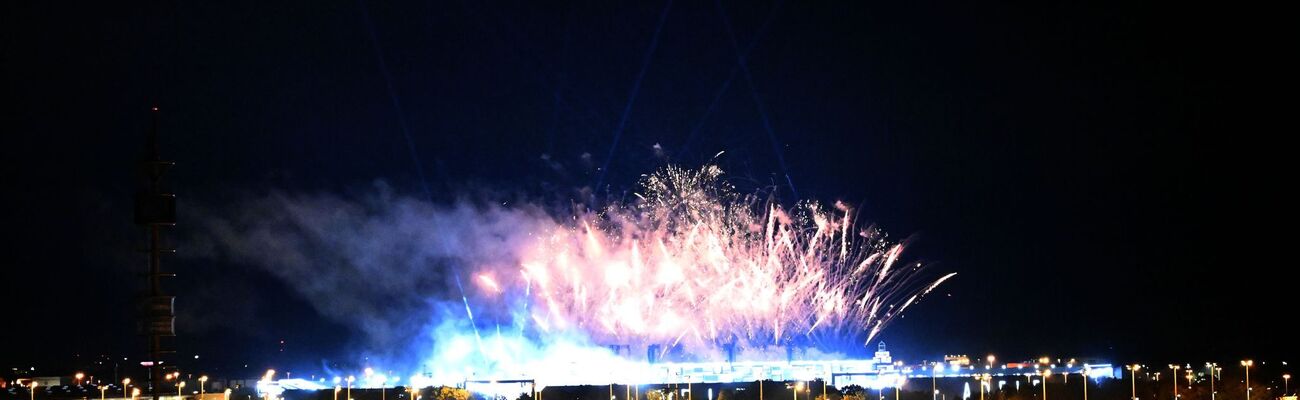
[693, 263]
[478, 338]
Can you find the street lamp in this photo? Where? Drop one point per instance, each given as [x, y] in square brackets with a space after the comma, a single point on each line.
[180, 386]
[1217, 371]
[1046, 373]
[126, 382]
[1086, 371]
[32, 388]
[350, 379]
[984, 381]
[135, 392]
[1247, 364]
[1213, 368]
[226, 394]
[795, 392]
[1133, 376]
[934, 372]
[1286, 384]
[77, 378]
[101, 391]
[336, 392]
[202, 380]
[1175, 379]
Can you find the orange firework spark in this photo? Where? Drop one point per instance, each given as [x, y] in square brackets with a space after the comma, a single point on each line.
[692, 262]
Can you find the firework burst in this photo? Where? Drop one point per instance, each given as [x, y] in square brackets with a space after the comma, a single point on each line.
[694, 265]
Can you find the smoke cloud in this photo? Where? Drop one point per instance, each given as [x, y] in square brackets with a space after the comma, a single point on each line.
[383, 263]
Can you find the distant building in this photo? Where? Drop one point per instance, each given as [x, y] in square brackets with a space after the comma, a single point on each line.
[46, 381]
[957, 360]
[882, 355]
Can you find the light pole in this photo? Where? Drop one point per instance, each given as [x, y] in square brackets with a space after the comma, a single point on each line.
[135, 392]
[1211, 366]
[1286, 384]
[1086, 371]
[1217, 371]
[794, 393]
[760, 389]
[984, 381]
[1247, 364]
[934, 388]
[1133, 377]
[336, 392]
[101, 391]
[1175, 379]
[32, 388]
[126, 382]
[77, 378]
[202, 380]
[350, 379]
[1046, 373]
[1189, 377]
[226, 394]
[179, 386]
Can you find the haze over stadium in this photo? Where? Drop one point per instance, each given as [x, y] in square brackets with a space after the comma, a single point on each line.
[689, 270]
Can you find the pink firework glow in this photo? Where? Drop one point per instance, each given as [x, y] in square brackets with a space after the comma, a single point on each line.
[693, 264]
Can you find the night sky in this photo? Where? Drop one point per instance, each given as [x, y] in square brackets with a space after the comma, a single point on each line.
[1098, 174]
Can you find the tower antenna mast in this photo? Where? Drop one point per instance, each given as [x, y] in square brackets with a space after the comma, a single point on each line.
[155, 209]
